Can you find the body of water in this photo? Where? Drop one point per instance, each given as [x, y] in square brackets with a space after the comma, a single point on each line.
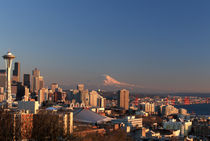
[199, 109]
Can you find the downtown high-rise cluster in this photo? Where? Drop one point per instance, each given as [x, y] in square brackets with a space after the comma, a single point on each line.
[33, 111]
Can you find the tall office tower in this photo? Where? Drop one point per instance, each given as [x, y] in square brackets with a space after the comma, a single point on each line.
[101, 102]
[37, 81]
[93, 98]
[16, 72]
[80, 87]
[26, 80]
[14, 87]
[59, 90]
[54, 86]
[50, 95]
[150, 108]
[59, 95]
[1, 94]
[26, 96]
[3, 78]
[73, 95]
[123, 99]
[43, 95]
[8, 59]
[35, 84]
[36, 72]
[16, 78]
[20, 91]
[84, 97]
[41, 82]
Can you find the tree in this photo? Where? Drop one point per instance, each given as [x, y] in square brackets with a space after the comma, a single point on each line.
[46, 126]
[118, 135]
[9, 126]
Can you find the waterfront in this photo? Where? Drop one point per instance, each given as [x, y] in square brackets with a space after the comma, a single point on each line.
[199, 109]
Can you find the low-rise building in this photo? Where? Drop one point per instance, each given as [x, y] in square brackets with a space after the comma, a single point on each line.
[32, 106]
[185, 126]
[130, 121]
[169, 109]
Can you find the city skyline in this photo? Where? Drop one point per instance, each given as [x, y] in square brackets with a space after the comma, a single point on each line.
[154, 46]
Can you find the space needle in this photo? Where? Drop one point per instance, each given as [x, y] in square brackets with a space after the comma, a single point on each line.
[8, 61]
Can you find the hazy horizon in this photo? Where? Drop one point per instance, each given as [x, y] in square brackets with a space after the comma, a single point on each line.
[148, 46]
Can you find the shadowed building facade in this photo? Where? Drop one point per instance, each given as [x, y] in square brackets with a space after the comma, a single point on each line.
[54, 86]
[26, 80]
[3, 78]
[16, 72]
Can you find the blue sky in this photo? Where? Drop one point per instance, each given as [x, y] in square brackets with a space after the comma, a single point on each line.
[157, 44]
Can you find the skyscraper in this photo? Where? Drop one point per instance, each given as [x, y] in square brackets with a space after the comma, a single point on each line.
[84, 97]
[20, 91]
[26, 80]
[93, 98]
[54, 86]
[8, 59]
[149, 107]
[26, 96]
[80, 87]
[3, 78]
[36, 72]
[43, 95]
[37, 80]
[16, 79]
[1, 94]
[16, 72]
[41, 82]
[101, 102]
[123, 99]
